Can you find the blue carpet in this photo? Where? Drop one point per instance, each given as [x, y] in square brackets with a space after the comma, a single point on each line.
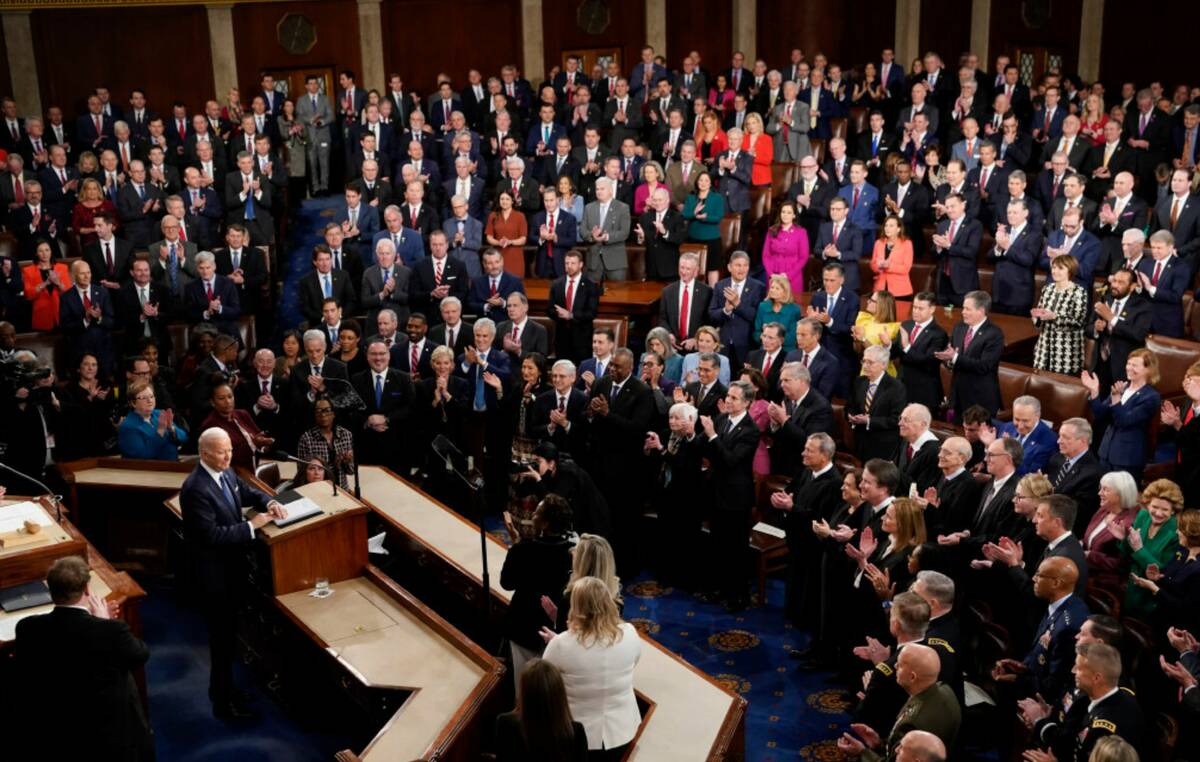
[180, 713]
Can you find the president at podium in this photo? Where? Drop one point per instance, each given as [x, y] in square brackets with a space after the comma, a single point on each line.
[218, 537]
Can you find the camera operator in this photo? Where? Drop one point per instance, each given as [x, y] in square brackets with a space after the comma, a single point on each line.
[33, 413]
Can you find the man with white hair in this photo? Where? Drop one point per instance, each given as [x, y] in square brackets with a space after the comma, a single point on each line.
[385, 284]
[409, 244]
[733, 174]
[218, 537]
[801, 413]
[1074, 470]
[464, 231]
[486, 369]
[558, 410]
[661, 229]
[1034, 434]
[918, 455]
[211, 298]
[876, 401]
[140, 206]
[606, 227]
[467, 185]
[308, 379]
[527, 197]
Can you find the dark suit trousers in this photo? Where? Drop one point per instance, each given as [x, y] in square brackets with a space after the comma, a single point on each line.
[731, 539]
[220, 613]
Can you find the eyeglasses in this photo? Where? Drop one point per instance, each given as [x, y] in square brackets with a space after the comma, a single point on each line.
[323, 411]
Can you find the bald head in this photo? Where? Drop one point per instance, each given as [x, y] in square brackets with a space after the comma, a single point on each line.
[917, 668]
[920, 746]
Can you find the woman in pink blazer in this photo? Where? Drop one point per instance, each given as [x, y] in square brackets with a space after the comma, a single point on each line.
[1108, 527]
[892, 259]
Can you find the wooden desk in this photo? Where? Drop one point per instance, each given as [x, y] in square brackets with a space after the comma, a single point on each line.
[125, 474]
[693, 717]
[386, 638]
[620, 298]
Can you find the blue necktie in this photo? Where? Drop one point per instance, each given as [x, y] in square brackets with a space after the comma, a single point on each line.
[141, 192]
[328, 287]
[612, 393]
[250, 215]
[228, 494]
[480, 402]
[173, 268]
[874, 145]
[378, 392]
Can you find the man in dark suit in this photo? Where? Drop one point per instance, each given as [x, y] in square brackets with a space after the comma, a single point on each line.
[1018, 248]
[266, 396]
[108, 256]
[1074, 470]
[246, 267]
[1163, 278]
[617, 418]
[60, 185]
[733, 309]
[311, 376]
[140, 206]
[1179, 213]
[842, 242]
[436, 277]
[143, 309]
[573, 302]
[324, 282]
[248, 200]
[557, 164]
[974, 357]
[211, 297]
[86, 317]
[873, 146]
[1147, 130]
[801, 413]
[916, 342]
[554, 231]
[518, 334]
[389, 398]
[79, 649]
[661, 229]
[684, 303]
[956, 492]
[732, 438]
[94, 129]
[464, 183]
[733, 169]
[451, 330]
[875, 403]
[1072, 198]
[203, 213]
[488, 295]
[919, 450]
[1119, 324]
[1108, 160]
[481, 361]
[1071, 239]
[823, 364]
[218, 538]
[32, 222]
[989, 181]
[706, 393]
[413, 351]
[836, 307]
[558, 412]
[812, 194]
[622, 116]
[1119, 211]
[770, 359]
[956, 244]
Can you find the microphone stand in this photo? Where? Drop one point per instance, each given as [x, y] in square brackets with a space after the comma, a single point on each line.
[446, 452]
[355, 402]
[55, 500]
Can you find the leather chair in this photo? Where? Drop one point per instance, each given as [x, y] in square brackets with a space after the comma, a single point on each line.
[1062, 397]
[858, 119]
[731, 233]
[1175, 356]
[637, 261]
[985, 278]
[783, 176]
[837, 127]
[922, 276]
[760, 208]
[548, 324]
[818, 149]
[1013, 381]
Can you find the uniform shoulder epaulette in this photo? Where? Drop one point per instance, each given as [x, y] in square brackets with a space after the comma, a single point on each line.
[940, 642]
[1130, 691]
[1108, 725]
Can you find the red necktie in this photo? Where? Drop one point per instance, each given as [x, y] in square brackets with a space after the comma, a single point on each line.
[99, 125]
[108, 257]
[182, 130]
[908, 453]
[570, 294]
[18, 190]
[1054, 190]
[492, 290]
[806, 356]
[208, 288]
[514, 189]
[414, 359]
[182, 232]
[412, 215]
[266, 387]
[562, 404]
[912, 335]
[766, 365]
[1046, 123]
[967, 339]
[683, 314]
[1157, 272]
[855, 204]
[837, 229]
[983, 178]
[515, 335]
[87, 303]
[437, 273]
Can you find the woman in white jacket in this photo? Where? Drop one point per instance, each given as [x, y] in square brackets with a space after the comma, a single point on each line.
[596, 656]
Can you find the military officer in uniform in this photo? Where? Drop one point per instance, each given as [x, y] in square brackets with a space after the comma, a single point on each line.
[931, 707]
[1099, 708]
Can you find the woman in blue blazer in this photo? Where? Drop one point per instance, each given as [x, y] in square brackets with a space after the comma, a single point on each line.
[1128, 410]
[148, 433]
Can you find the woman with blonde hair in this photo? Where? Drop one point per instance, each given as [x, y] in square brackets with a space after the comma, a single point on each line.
[758, 144]
[779, 307]
[877, 325]
[597, 655]
[1113, 749]
[1093, 119]
[708, 339]
[1151, 541]
[91, 203]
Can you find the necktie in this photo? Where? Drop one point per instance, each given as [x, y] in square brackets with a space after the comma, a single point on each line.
[266, 387]
[766, 369]
[182, 231]
[173, 267]
[857, 191]
[983, 177]
[686, 172]
[437, 272]
[912, 335]
[1054, 189]
[87, 302]
[235, 258]
[412, 216]
[95, 119]
[228, 493]
[378, 391]
[970, 148]
[807, 356]
[908, 453]
[1142, 124]
[612, 394]
[684, 312]
[562, 404]
[570, 300]
[874, 144]
[208, 289]
[141, 191]
[1046, 123]
[869, 398]
[515, 335]
[328, 287]
[968, 338]
[480, 401]
[108, 257]
[837, 229]
[18, 190]
[450, 333]
[1157, 272]
[37, 145]
[414, 359]
[492, 289]
[1174, 212]
[250, 215]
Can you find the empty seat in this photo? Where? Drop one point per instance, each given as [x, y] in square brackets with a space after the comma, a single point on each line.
[1013, 380]
[1062, 397]
[636, 256]
[619, 326]
[1175, 356]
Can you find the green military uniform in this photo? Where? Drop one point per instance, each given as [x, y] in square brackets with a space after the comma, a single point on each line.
[934, 710]
[1072, 733]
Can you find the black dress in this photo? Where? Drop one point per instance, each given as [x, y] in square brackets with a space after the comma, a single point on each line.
[532, 569]
[510, 744]
[91, 432]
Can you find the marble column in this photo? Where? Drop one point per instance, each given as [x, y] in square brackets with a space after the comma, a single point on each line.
[908, 32]
[656, 26]
[745, 28]
[224, 52]
[1090, 33]
[370, 43]
[18, 39]
[533, 47]
[981, 29]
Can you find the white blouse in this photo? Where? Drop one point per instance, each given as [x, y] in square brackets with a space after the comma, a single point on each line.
[599, 682]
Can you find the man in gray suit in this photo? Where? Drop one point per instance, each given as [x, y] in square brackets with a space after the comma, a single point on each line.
[178, 274]
[606, 226]
[315, 113]
[385, 284]
[788, 126]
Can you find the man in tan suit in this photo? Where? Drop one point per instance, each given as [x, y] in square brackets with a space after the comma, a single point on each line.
[682, 174]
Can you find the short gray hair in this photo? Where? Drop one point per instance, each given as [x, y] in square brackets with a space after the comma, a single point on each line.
[485, 324]
[313, 334]
[1163, 236]
[823, 440]
[746, 387]
[1082, 428]
[564, 366]
[878, 353]
[919, 412]
[939, 586]
[453, 301]
[385, 244]
[797, 371]
[1027, 400]
[205, 256]
[515, 161]
[686, 409]
[209, 436]
[1124, 485]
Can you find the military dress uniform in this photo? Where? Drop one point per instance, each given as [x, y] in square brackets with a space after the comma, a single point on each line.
[1053, 654]
[1072, 732]
[934, 710]
[883, 697]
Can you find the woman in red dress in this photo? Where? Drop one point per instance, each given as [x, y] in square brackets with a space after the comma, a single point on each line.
[91, 202]
[507, 230]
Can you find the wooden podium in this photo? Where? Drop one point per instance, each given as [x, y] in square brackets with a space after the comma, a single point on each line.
[332, 545]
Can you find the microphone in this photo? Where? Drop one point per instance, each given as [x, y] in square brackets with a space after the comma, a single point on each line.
[55, 499]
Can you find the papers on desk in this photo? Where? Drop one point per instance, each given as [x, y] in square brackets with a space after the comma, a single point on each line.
[13, 517]
[299, 510]
[8, 624]
[771, 530]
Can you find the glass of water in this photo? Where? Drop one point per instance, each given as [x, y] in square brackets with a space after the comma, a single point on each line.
[322, 587]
